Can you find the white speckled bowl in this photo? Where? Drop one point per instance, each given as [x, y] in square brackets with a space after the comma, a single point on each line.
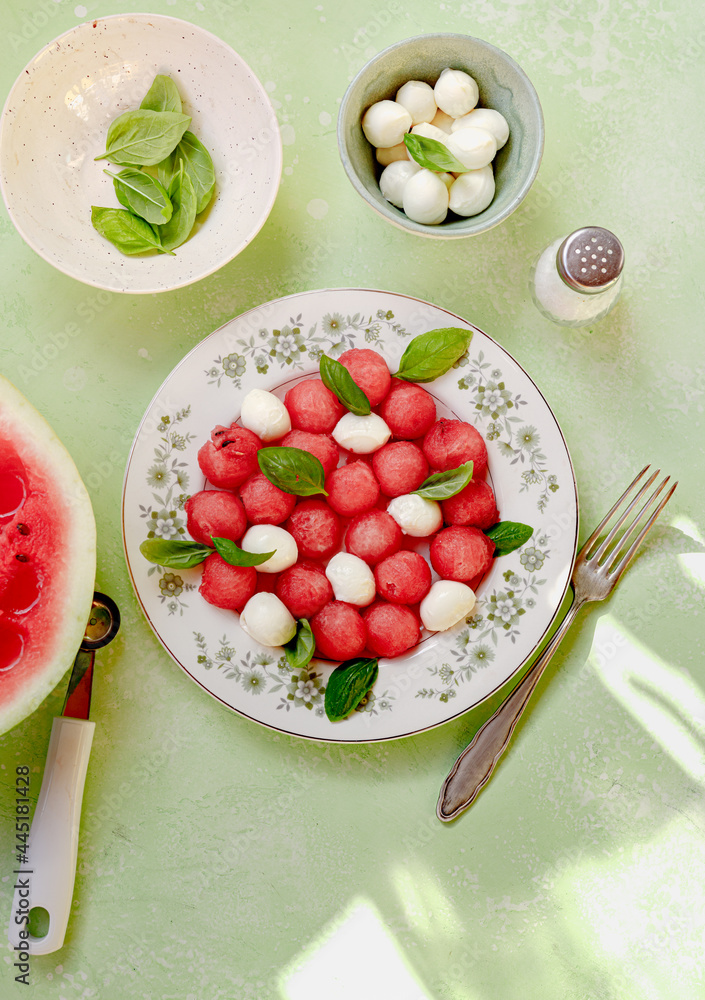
[503, 86]
[56, 119]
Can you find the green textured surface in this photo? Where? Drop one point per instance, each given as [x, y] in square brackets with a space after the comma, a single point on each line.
[217, 857]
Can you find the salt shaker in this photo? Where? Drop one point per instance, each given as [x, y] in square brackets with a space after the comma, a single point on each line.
[577, 279]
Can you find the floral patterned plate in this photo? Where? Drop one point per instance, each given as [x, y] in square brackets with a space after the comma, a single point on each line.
[272, 347]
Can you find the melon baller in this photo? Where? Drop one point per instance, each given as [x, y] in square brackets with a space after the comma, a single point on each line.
[44, 881]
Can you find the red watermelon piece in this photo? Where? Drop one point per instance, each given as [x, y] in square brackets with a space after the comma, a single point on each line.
[47, 558]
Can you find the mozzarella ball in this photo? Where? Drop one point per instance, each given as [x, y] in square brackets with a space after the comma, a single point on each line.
[388, 154]
[485, 118]
[456, 92]
[443, 121]
[430, 132]
[264, 414]
[271, 538]
[394, 178]
[417, 97]
[447, 179]
[352, 579]
[474, 147]
[472, 192]
[267, 620]
[361, 435]
[385, 123]
[415, 515]
[426, 198]
[447, 603]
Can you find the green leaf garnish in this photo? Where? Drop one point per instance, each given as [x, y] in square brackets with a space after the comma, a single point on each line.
[178, 554]
[236, 556]
[432, 154]
[142, 195]
[432, 354]
[299, 650]
[292, 470]
[348, 685]
[183, 197]
[509, 535]
[197, 164]
[162, 96]
[143, 138]
[126, 231]
[338, 379]
[443, 485]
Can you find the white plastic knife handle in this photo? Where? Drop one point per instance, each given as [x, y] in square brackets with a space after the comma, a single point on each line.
[53, 837]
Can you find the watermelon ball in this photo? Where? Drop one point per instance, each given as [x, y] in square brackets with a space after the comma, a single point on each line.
[460, 553]
[409, 411]
[373, 536]
[391, 629]
[315, 528]
[230, 457]
[321, 446]
[227, 586]
[312, 407]
[264, 502]
[474, 506]
[400, 467]
[450, 443]
[369, 371]
[213, 513]
[304, 589]
[339, 631]
[404, 578]
[352, 489]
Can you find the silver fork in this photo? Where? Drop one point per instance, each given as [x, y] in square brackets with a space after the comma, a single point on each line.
[596, 572]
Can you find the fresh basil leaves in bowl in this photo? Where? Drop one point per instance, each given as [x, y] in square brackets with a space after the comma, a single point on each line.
[224, 158]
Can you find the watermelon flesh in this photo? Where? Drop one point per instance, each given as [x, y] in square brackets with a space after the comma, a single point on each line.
[47, 558]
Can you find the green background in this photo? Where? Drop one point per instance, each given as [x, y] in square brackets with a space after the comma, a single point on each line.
[240, 863]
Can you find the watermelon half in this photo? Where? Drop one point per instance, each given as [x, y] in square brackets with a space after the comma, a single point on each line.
[47, 558]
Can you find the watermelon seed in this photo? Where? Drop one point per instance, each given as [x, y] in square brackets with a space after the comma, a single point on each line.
[23, 529]
[21, 557]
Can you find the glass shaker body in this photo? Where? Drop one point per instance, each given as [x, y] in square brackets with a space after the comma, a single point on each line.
[577, 279]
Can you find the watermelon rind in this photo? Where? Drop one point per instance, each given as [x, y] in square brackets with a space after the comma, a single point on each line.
[74, 565]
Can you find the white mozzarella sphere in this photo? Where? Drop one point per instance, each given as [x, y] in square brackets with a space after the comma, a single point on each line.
[446, 603]
[443, 121]
[456, 92]
[474, 147]
[267, 620]
[472, 192]
[265, 415]
[487, 118]
[415, 515]
[430, 132]
[361, 435]
[417, 97]
[271, 538]
[447, 179]
[352, 579]
[385, 123]
[394, 178]
[388, 154]
[426, 198]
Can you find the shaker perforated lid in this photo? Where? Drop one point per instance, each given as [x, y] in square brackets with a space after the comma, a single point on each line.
[590, 259]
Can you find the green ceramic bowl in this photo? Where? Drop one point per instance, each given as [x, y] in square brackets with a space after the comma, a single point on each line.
[503, 86]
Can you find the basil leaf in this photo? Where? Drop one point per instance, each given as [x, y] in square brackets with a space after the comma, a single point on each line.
[432, 354]
[162, 96]
[292, 470]
[174, 232]
[338, 379]
[126, 231]
[509, 535]
[143, 138]
[299, 650]
[236, 556]
[432, 154]
[442, 485]
[142, 194]
[177, 554]
[348, 685]
[198, 165]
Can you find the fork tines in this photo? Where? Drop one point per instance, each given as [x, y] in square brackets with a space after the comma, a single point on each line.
[615, 548]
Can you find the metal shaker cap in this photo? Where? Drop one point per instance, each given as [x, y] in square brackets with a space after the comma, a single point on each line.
[590, 260]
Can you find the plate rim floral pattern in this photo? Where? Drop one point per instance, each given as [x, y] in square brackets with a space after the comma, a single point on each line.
[495, 625]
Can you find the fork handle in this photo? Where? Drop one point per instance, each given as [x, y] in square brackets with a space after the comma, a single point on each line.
[473, 768]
